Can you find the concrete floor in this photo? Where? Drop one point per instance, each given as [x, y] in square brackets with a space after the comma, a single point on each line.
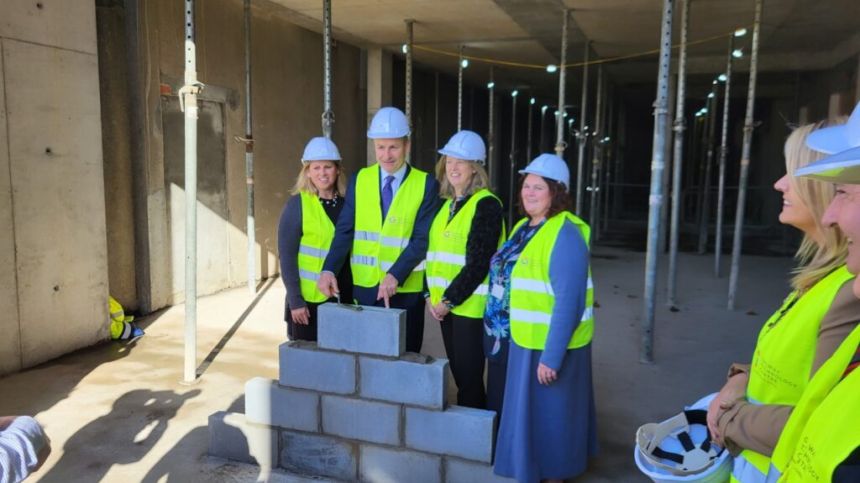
[117, 412]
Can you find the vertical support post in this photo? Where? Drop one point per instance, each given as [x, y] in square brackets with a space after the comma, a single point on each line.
[188, 96]
[328, 115]
[607, 160]
[709, 161]
[721, 183]
[513, 157]
[745, 162]
[597, 153]
[655, 200]
[529, 132]
[542, 128]
[491, 141]
[562, 77]
[460, 92]
[249, 159]
[436, 111]
[679, 127]
[409, 40]
[582, 137]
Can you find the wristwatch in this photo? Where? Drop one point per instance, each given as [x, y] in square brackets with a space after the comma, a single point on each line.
[447, 303]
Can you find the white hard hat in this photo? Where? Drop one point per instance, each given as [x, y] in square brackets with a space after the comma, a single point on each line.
[679, 449]
[549, 166]
[388, 123]
[466, 145]
[843, 143]
[320, 149]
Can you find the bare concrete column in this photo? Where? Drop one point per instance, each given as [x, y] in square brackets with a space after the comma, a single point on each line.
[378, 88]
[834, 105]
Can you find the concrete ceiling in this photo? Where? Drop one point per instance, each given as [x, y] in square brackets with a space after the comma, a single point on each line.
[796, 34]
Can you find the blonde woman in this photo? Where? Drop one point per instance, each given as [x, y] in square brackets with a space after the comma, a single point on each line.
[463, 237]
[305, 232]
[748, 414]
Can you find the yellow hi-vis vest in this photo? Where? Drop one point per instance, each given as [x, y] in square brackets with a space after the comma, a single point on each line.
[377, 244]
[824, 427]
[317, 234]
[446, 255]
[783, 358]
[532, 298]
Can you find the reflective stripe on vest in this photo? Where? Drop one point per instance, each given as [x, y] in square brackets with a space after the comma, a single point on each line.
[376, 245]
[317, 234]
[532, 297]
[446, 255]
[783, 358]
[815, 440]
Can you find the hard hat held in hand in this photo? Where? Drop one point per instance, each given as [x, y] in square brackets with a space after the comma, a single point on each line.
[320, 149]
[466, 145]
[679, 449]
[549, 166]
[388, 123]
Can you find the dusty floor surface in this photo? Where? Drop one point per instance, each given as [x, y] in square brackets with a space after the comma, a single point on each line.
[117, 412]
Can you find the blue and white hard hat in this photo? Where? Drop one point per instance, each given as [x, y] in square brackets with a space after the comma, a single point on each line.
[679, 449]
[320, 149]
[549, 166]
[388, 123]
[466, 145]
[843, 144]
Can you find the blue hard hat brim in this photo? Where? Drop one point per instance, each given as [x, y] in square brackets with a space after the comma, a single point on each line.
[446, 152]
[843, 167]
[386, 135]
[526, 170]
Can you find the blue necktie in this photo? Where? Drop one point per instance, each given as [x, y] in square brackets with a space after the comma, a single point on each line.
[387, 195]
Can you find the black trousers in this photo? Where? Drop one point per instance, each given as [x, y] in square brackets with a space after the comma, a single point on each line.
[463, 338]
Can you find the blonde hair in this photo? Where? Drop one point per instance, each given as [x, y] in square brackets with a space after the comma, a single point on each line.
[480, 179]
[304, 183]
[815, 261]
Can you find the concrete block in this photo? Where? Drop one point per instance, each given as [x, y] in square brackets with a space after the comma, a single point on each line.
[414, 379]
[303, 366]
[55, 154]
[363, 420]
[460, 471]
[372, 330]
[268, 403]
[457, 431]
[382, 465]
[231, 436]
[318, 455]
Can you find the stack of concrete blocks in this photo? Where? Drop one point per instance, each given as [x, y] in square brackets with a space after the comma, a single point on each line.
[355, 407]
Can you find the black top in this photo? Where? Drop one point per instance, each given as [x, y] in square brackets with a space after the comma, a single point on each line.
[289, 239]
[480, 247]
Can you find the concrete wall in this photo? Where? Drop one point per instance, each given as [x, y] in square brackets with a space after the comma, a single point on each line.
[287, 102]
[53, 287]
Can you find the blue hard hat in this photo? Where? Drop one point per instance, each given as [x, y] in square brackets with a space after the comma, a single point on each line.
[835, 139]
[388, 123]
[549, 166]
[320, 149]
[843, 144]
[466, 145]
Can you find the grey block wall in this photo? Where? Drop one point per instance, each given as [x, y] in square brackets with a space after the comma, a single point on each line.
[355, 408]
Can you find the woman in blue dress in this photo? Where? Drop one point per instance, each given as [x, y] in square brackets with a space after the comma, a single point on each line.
[541, 300]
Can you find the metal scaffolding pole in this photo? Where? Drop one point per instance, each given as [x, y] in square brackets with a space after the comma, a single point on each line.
[513, 157]
[655, 200]
[721, 189]
[745, 162]
[597, 153]
[582, 136]
[188, 100]
[436, 111]
[529, 132]
[249, 159]
[562, 76]
[678, 157]
[709, 161]
[541, 147]
[460, 91]
[491, 143]
[409, 38]
[328, 115]
[607, 160]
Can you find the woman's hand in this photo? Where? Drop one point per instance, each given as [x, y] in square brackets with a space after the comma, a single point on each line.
[546, 375]
[733, 391]
[440, 310]
[301, 316]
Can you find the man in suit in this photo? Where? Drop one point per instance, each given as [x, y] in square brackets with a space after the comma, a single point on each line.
[385, 221]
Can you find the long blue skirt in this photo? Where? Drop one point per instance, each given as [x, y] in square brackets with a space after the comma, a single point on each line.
[546, 431]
